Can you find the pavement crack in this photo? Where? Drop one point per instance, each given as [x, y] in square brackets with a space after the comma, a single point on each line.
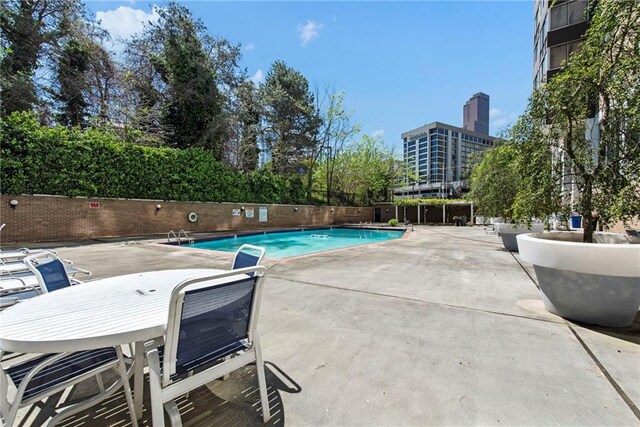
[634, 408]
[379, 294]
[463, 238]
[525, 270]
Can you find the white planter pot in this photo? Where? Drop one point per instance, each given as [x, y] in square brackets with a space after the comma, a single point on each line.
[596, 283]
[480, 220]
[508, 233]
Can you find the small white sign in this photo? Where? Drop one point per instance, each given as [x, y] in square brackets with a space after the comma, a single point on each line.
[262, 214]
[249, 213]
[235, 212]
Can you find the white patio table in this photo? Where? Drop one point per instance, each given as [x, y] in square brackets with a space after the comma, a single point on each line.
[118, 310]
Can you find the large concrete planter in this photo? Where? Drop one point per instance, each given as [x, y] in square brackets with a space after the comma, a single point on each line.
[596, 283]
[508, 233]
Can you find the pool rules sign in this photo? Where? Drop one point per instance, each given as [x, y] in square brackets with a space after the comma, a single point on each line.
[262, 214]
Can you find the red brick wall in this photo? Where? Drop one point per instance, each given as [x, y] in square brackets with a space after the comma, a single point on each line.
[52, 218]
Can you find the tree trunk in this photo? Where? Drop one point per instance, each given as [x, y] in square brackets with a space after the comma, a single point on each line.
[587, 212]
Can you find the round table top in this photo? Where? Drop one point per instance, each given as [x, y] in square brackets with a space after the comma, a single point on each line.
[100, 313]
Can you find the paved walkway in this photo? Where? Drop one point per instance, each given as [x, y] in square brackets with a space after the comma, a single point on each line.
[441, 328]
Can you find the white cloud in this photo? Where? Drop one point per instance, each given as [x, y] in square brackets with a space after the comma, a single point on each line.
[125, 21]
[378, 133]
[249, 47]
[309, 31]
[258, 77]
[499, 119]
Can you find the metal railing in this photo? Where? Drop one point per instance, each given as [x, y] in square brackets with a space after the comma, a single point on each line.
[172, 237]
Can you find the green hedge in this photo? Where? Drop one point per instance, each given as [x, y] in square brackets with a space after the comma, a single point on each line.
[432, 201]
[96, 163]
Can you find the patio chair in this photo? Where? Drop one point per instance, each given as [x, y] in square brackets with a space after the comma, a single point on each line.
[11, 284]
[211, 331]
[19, 254]
[244, 258]
[43, 376]
[50, 272]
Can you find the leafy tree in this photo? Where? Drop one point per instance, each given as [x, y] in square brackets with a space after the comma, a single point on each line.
[27, 27]
[495, 181]
[143, 90]
[181, 77]
[334, 132]
[601, 156]
[365, 170]
[290, 122]
[72, 85]
[244, 117]
[193, 102]
[101, 76]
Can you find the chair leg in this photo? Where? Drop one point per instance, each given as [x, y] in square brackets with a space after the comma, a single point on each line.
[262, 382]
[5, 406]
[189, 374]
[138, 377]
[122, 370]
[226, 376]
[100, 383]
[10, 418]
[174, 414]
[74, 409]
[155, 388]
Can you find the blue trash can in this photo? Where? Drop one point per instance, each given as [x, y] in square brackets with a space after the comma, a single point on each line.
[576, 221]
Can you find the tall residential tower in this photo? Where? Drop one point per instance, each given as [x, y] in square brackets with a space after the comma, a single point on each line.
[559, 28]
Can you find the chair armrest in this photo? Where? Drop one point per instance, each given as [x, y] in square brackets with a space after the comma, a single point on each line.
[8, 301]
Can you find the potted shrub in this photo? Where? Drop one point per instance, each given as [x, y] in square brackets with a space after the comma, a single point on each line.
[586, 276]
[494, 184]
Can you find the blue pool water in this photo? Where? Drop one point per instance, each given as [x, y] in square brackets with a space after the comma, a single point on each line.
[293, 243]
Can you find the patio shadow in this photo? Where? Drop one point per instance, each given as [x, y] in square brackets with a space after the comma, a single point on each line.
[233, 402]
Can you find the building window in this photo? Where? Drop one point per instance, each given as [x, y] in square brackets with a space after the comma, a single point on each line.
[560, 54]
[559, 16]
[576, 11]
[568, 13]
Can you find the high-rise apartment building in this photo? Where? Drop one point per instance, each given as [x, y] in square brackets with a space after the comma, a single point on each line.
[437, 157]
[559, 28]
[476, 114]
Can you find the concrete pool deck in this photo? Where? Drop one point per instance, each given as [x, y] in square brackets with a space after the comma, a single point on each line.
[441, 328]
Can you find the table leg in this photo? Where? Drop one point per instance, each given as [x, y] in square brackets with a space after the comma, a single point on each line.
[138, 378]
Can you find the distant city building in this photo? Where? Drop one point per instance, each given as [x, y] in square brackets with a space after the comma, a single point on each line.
[476, 114]
[437, 159]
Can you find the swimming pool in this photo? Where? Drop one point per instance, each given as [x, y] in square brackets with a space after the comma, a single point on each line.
[285, 244]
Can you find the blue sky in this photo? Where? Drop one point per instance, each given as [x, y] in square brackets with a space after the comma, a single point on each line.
[401, 64]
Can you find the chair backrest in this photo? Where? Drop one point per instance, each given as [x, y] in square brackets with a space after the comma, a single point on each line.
[244, 258]
[49, 271]
[211, 317]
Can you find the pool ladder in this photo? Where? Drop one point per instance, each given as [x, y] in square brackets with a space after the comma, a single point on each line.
[177, 238]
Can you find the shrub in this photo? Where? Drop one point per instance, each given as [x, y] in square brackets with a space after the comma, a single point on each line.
[393, 222]
[96, 163]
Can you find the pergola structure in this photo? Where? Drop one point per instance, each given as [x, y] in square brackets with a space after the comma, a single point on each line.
[444, 209]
